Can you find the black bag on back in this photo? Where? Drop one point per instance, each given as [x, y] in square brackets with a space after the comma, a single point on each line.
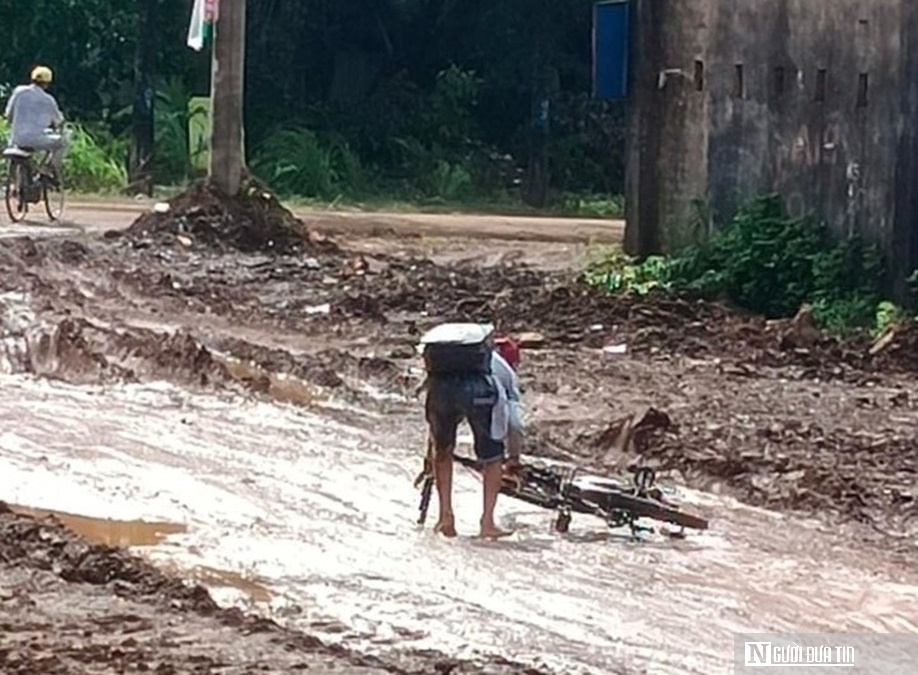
[452, 359]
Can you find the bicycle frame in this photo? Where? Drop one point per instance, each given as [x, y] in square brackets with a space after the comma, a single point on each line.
[566, 492]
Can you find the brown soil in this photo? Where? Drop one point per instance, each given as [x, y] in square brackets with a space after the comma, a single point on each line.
[324, 368]
[163, 625]
[769, 411]
[80, 351]
[787, 464]
[252, 221]
[802, 465]
[566, 311]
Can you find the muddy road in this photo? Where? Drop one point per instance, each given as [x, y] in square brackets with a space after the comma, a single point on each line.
[246, 421]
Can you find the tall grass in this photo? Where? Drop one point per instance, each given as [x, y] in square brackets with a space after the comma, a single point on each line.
[90, 165]
[296, 161]
[172, 159]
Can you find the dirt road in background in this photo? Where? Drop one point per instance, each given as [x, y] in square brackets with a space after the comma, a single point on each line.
[89, 217]
[259, 406]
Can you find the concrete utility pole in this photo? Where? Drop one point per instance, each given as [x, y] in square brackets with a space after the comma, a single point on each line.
[142, 133]
[227, 155]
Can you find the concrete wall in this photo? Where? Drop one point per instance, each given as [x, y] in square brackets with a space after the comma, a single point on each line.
[905, 201]
[798, 123]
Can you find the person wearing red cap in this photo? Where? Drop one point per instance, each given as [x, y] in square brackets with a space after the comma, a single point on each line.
[509, 350]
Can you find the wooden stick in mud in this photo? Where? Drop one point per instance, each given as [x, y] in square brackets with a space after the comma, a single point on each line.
[427, 477]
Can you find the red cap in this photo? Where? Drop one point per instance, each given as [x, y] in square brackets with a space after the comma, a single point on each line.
[509, 350]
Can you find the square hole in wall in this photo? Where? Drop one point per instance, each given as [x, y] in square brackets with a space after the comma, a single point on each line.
[739, 83]
[820, 94]
[699, 75]
[780, 81]
[862, 87]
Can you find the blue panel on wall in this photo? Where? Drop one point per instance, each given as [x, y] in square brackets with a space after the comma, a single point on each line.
[611, 42]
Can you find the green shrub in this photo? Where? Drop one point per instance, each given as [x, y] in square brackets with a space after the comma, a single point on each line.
[294, 160]
[766, 262]
[90, 165]
[594, 206]
[888, 314]
[171, 155]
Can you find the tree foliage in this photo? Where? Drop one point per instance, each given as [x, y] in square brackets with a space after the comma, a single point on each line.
[425, 97]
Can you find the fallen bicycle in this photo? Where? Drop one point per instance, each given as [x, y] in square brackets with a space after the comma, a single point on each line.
[569, 491]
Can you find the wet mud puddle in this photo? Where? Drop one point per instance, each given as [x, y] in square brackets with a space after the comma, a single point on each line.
[140, 534]
[122, 533]
[313, 520]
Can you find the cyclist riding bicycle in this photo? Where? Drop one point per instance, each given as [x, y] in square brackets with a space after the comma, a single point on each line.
[36, 119]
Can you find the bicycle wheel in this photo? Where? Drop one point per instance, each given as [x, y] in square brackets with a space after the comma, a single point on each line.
[16, 206]
[52, 191]
[642, 507]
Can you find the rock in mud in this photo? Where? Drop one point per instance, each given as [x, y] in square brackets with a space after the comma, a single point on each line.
[632, 434]
[897, 348]
[530, 340]
[254, 221]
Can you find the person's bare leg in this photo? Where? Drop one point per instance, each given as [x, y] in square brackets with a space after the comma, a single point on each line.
[493, 475]
[443, 476]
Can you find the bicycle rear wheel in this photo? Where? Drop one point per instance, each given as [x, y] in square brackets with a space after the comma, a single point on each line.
[642, 507]
[53, 195]
[16, 206]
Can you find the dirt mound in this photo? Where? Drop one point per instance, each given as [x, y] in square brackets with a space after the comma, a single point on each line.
[326, 368]
[789, 466]
[563, 310]
[254, 221]
[896, 349]
[514, 297]
[79, 351]
[560, 307]
[48, 545]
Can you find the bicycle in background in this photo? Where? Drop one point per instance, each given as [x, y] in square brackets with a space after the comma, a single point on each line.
[30, 183]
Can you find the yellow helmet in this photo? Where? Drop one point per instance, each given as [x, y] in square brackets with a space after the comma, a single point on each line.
[42, 75]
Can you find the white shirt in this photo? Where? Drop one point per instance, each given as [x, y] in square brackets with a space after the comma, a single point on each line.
[31, 111]
[508, 409]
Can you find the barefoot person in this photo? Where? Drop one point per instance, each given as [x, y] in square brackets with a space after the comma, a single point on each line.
[462, 385]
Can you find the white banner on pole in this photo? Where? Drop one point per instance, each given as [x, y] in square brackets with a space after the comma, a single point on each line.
[196, 27]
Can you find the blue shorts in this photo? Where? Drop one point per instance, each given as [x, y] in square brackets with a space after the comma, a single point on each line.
[463, 397]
